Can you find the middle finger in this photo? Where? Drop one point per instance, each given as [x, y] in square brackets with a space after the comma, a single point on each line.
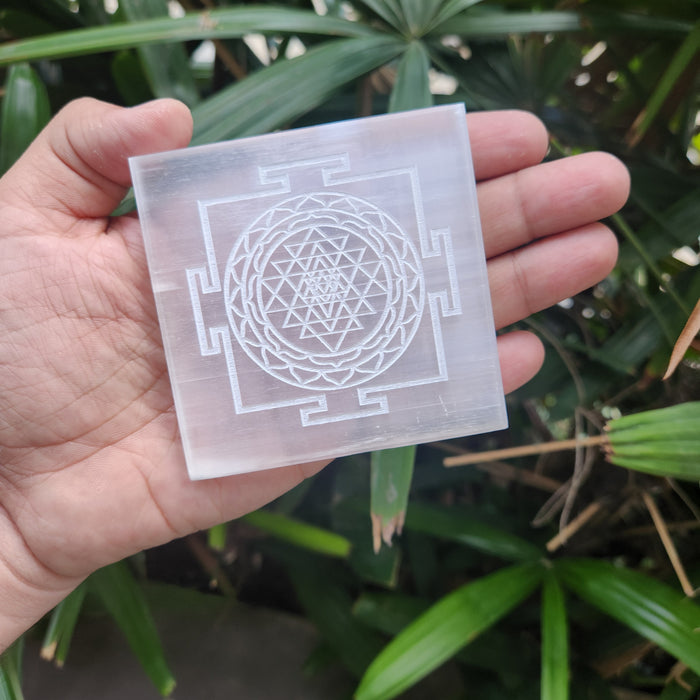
[550, 198]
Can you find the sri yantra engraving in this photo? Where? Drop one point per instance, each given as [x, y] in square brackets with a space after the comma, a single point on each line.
[324, 291]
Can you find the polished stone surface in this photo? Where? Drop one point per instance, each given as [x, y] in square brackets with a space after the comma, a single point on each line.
[322, 291]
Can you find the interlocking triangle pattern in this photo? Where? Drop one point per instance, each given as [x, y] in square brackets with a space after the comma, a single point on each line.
[332, 288]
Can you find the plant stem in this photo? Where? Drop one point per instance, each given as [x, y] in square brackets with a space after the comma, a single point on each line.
[525, 450]
[631, 236]
[668, 544]
[573, 527]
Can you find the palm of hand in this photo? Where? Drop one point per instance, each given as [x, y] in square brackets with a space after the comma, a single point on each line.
[91, 467]
[85, 307]
[86, 390]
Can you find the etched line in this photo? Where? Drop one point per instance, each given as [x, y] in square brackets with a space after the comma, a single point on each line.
[319, 400]
[417, 198]
[381, 404]
[192, 282]
[266, 174]
[446, 248]
[435, 299]
[212, 283]
[324, 291]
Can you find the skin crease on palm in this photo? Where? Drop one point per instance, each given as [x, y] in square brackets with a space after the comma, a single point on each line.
[91, 468]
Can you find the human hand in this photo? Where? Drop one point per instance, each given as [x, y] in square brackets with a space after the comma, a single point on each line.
[91, 468]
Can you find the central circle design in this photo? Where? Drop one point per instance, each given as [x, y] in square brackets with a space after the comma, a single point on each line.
[324, 291]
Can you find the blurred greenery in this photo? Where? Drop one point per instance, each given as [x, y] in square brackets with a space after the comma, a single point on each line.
[621, 77]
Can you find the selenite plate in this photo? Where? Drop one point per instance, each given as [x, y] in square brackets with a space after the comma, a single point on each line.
[322, 291]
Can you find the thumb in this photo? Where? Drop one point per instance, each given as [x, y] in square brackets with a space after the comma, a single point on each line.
[78, 165]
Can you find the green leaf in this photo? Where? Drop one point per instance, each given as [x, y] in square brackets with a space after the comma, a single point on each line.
[127, 73]
[349, 518]
[664, 441]
[329, 606]
[274, 96]
[57, 13]
[452, 524]
[288, 502]
[469, 24]
[62, 625]
[418, 14]
[446, 627]
[388, 10]
[125, 601]
[648, 260]
[23, 24]
[642, 22]
[392, 612]
[681, 60]
[216, 537]
[93, 12]
[321, 658]
[11, 672]
[388, 612]
[449, 9]
[412, 86]
[391, 474]
[659, 420]
[681, 449]
[223, 23]
[672, 466]
[671, 228]
[555, 642]
[310, 537]
[633, 342]
[166, 66]
[423, 555]
[25, 112]
[658, 612]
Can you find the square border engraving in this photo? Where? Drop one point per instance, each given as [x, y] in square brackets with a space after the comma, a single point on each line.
[321, 290]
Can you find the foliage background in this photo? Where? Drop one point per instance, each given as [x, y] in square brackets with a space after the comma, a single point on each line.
[601, 613]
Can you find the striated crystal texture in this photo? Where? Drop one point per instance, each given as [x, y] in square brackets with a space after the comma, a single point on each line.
[322, 291]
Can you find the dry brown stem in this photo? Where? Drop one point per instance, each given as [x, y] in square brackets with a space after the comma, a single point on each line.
[525, 450]
[667, 542]
[573, 527]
